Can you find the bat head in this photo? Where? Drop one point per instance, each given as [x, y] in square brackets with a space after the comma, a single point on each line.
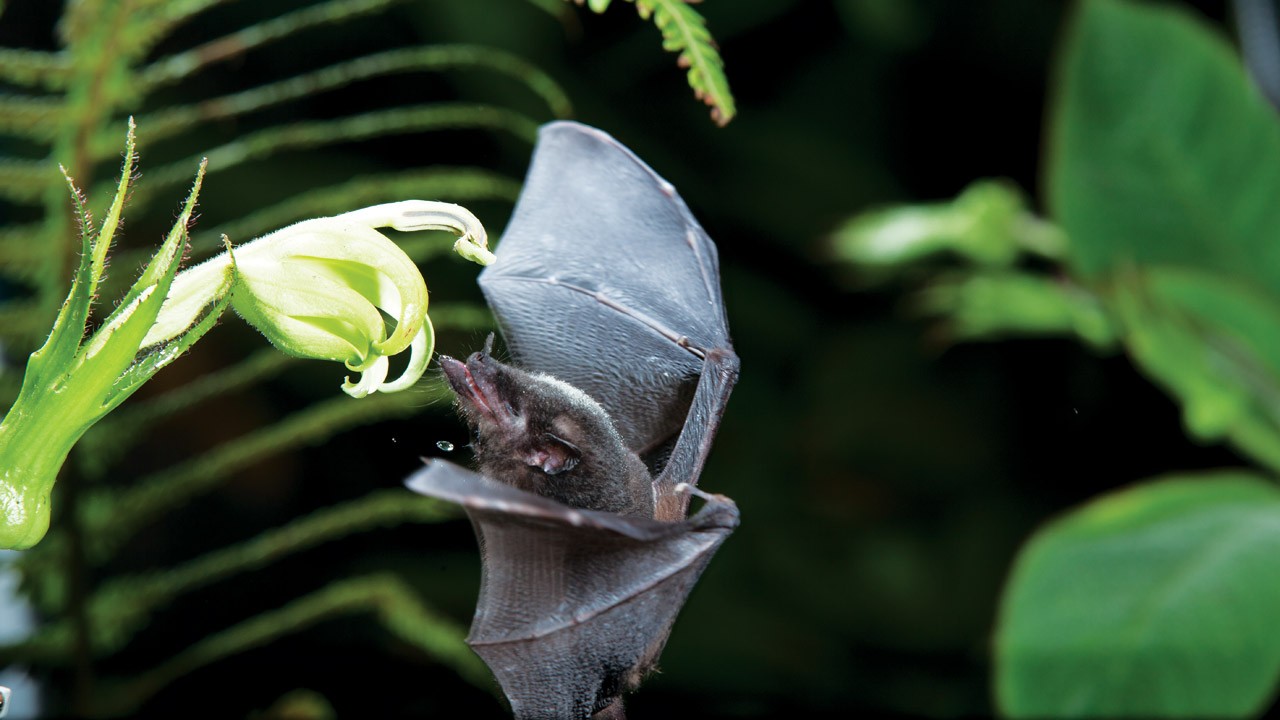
[547, 437]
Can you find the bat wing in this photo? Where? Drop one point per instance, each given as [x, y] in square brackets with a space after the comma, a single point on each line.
[574, 604]
[605, 280]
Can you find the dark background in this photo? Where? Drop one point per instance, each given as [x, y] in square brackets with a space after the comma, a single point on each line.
[886, 477]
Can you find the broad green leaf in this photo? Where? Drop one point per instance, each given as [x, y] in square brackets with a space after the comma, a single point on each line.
[1154, 601]
[1215, 345]
[1162, 152]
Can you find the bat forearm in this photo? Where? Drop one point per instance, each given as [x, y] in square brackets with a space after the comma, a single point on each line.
[691, 449]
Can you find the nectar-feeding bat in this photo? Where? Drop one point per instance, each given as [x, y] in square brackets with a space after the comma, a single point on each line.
[607, 292]
[545, 436]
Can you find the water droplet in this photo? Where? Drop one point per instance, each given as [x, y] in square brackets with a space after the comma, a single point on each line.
[444, 445]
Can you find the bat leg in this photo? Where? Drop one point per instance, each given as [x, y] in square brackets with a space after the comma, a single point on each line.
[613, 712]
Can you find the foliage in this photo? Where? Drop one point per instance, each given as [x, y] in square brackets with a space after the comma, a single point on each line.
[316, 289]
[685, 32]
[1163, 168]
[132, 57]
[1184, 569]
[73, 380]
[118, 59]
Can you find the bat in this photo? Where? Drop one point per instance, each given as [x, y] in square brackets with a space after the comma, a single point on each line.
[544, 436]
[590, 446]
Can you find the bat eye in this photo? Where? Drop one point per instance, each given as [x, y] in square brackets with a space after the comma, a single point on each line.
[555, 456]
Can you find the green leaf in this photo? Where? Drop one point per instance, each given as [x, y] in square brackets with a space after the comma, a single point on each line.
[393, 602]
[169, 121]
[175, 67]
[685, 32]
[124, 605]
[1162, 151]
[35, 118]
[34, 68]
[24, 181]
[113, 517]
[114, 347]
[1000, 303]
[988, 224]
[266, 143]
[1214, 344]
[1154, 601]
[69, 328]
[125, 428]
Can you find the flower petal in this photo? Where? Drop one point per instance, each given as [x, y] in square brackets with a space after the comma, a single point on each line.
[370, 380]
[419, 356]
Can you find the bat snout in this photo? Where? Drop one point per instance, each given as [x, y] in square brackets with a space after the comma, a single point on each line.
[476, 384]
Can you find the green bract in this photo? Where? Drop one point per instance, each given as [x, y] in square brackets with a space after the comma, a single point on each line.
[319, 289]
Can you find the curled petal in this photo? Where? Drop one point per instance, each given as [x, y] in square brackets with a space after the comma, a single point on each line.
[370, 379]
[419, 356]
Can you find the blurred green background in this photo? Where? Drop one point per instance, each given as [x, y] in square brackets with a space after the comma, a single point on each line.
[886, 476]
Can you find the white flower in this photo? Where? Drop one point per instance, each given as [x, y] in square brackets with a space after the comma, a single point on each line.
[320, 288]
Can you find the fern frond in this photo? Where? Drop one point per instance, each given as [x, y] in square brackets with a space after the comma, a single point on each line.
[305, 135]
[176, 67]
[113, 517]
[33, 118]
[685, 32]
[394, 602]
[21, 254]
[22, 323]
[404, 60]
[153, 20]
[34, 68]
[25, 181]
[379, 509]
[120, 431]
[124, 605]
[452, 184]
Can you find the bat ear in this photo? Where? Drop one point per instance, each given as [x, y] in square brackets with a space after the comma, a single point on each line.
[554, 456]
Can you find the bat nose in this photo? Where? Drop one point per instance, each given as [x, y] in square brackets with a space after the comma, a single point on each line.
[454, 371]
